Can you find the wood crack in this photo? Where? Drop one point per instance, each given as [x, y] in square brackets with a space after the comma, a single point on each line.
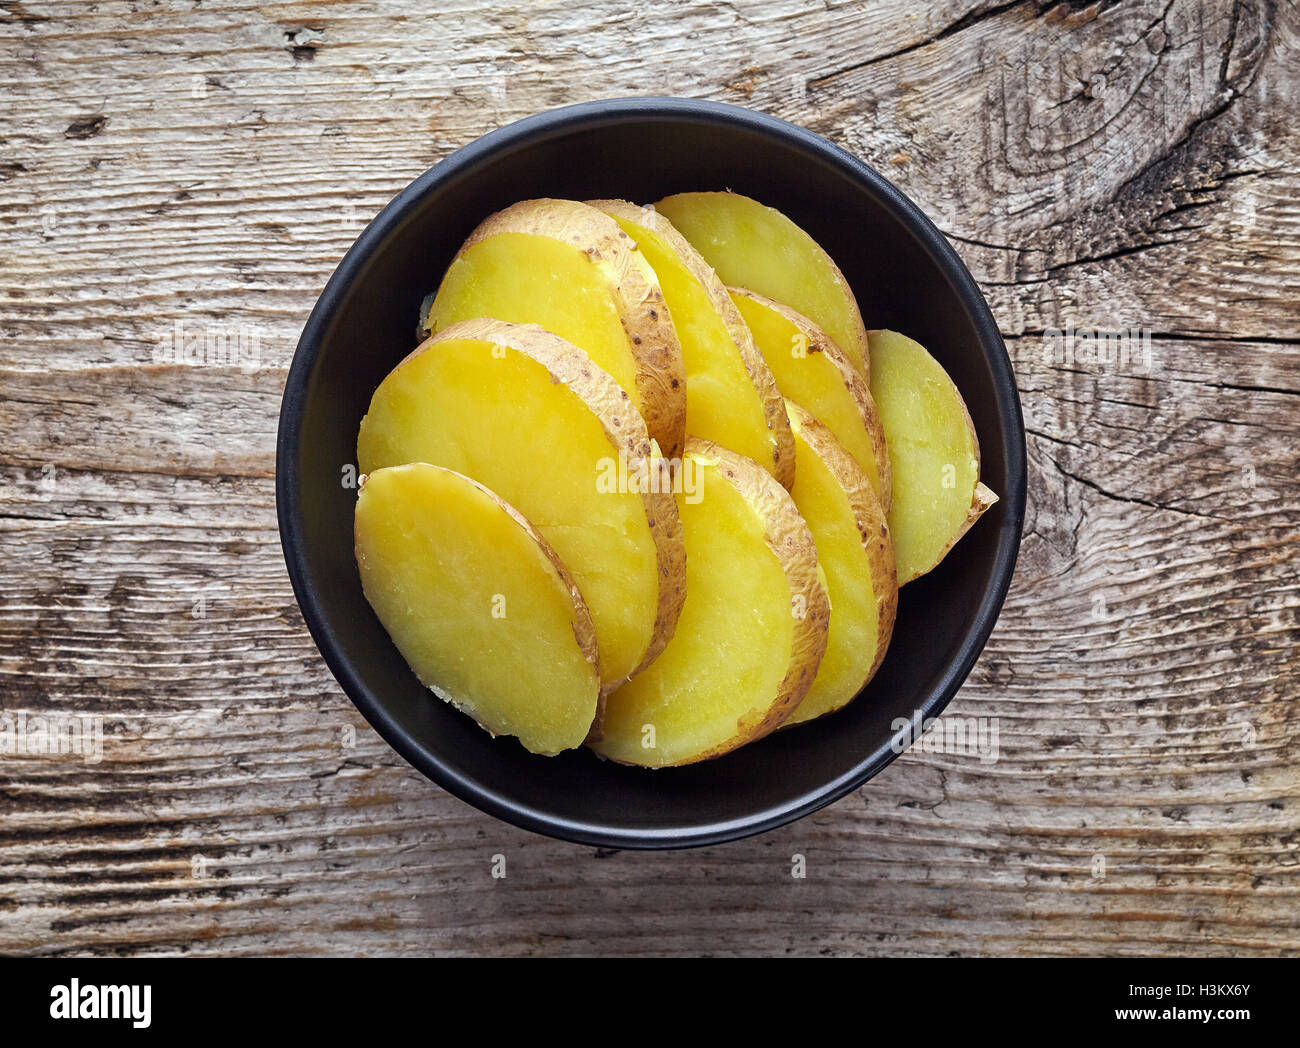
[1132, 499]
[1255, 389]
[961, 25]
[1231, 91]
[1108, 256]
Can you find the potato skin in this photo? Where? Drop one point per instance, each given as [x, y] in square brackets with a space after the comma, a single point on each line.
[983, 499]
[626, 430]
[787, 536]
[872, 526]
[789, 539]
[755, 366]
[820, 342]
[660, 374]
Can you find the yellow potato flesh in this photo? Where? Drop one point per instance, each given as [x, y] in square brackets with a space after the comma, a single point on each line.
[725, 664]
[932, 451]
[502, 421]
[475, 605]
[526, 278]
[811, 380]
[722, 404]
[756, 247]
[854, 631]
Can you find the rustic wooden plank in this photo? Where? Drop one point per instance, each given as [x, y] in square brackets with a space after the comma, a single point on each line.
[210, 166]
[1135, 160]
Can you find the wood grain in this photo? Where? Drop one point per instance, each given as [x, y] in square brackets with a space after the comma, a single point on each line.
[1110, 165]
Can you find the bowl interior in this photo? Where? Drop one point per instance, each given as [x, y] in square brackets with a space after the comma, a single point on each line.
[905, 277]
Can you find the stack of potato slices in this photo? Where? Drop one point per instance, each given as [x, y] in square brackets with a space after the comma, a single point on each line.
[649, 485]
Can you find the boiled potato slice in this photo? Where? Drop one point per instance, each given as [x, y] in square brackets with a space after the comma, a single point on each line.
[569, 268]
[752, 630]
[857, 557]
[731, 397]
[812, 371]
[479, 605]
[527, 414]
[933, 452]
[756, 247]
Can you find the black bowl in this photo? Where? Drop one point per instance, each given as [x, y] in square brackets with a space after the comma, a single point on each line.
[906, 277]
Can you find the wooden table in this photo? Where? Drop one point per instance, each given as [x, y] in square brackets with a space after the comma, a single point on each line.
[1115, 166]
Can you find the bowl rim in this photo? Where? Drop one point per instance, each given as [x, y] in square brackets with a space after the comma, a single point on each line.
[527, 131]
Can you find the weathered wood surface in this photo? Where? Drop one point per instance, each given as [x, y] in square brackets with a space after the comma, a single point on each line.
[1118, 165]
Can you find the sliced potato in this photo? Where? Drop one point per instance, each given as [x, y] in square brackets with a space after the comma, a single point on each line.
[812, 371]
[569, 268]
[933, 452]
[857, 557]
[756, 247]
[752, 631]
[479, 605]
[529, 415]
[731, 396]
